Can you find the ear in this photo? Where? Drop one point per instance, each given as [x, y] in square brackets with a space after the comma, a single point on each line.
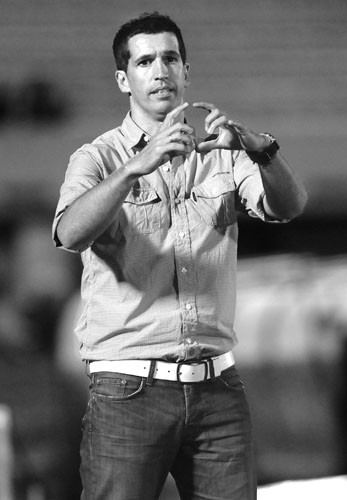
[122, 80]
[186, 74]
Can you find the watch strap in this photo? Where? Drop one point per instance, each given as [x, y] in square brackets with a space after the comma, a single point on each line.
[265, 156]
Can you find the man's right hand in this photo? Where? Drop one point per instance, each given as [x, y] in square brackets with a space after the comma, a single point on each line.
[173, 138]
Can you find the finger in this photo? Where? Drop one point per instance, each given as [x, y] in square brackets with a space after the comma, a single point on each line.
[182, 138]
[181, 132]
[213, 114]
[204, 105]
[218, 122]
[173, 114]
[179, 148]
[181, 127]
[237, 126]
[206, 146]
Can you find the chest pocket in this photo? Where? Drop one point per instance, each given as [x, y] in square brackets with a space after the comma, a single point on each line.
[143, 212]
[215, 200]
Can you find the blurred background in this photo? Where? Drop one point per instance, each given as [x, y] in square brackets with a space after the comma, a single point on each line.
[276, 65]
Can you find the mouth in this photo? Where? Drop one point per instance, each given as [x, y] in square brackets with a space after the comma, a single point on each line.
[162, 91]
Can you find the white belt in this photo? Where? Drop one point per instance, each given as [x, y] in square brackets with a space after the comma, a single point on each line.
[196, 371]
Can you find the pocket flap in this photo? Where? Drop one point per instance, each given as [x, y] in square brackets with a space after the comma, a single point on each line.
[214, 187]
[142, 196]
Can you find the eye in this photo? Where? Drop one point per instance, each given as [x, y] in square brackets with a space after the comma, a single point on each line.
[145, 62]
[171, 59]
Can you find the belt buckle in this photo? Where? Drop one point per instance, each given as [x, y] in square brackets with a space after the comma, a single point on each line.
[202, 362]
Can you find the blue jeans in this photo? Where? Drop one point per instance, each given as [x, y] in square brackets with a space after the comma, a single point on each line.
[135, 434]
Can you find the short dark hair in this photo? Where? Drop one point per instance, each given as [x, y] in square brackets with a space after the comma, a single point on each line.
[146, 23]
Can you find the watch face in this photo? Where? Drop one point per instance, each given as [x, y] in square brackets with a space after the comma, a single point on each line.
[270, 136]
[264, 157]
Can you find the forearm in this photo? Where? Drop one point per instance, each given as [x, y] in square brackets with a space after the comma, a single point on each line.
[93, 212]
[285, 195]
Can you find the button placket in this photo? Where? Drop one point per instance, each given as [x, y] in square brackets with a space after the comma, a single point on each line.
[183, 252]
[192, 349]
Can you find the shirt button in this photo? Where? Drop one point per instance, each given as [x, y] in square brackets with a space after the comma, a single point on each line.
[181, 234]
[184, 270]
[166, 168]
[188, 307]
[177, 201]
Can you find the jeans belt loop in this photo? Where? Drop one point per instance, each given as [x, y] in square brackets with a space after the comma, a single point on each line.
[149, 380]
[211, 368]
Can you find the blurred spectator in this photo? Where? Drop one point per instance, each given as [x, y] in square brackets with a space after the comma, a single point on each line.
[40, 101]
[34, 285]
[5, 102]
[67, 356]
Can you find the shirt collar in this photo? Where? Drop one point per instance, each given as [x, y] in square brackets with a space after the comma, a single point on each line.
[133, 134]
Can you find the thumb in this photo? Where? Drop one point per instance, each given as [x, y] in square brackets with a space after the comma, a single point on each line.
[206, 145]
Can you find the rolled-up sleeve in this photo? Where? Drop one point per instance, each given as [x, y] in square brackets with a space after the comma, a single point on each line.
[250, 187]
[84, 172]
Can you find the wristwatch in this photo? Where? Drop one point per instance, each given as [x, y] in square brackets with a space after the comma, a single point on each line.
[264, 157]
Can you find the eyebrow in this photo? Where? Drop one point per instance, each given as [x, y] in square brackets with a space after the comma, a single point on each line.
[164, 53]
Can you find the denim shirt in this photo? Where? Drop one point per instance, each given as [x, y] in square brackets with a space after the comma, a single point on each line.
[160, 282]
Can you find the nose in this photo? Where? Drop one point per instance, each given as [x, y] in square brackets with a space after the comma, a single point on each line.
[161, 69]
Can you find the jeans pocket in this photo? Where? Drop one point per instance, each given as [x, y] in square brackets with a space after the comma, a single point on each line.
[116, 386]
[231, 379]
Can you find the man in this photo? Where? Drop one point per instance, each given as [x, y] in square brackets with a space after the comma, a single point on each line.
[152, 209]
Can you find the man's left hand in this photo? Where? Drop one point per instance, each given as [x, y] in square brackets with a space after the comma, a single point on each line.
[227, 133]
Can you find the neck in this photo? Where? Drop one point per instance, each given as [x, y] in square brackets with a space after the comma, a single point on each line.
[148, 126]
[150, 123]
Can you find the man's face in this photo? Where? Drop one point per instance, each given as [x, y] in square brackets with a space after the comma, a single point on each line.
[156, 76]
